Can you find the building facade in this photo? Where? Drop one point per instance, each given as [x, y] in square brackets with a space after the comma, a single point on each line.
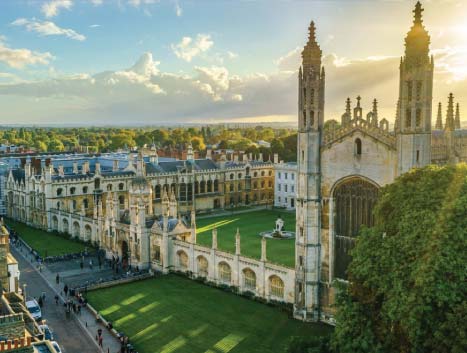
[340, 172]
[285, 175]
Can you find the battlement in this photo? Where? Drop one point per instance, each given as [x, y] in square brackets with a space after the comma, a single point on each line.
[9, 345]
[9, 319]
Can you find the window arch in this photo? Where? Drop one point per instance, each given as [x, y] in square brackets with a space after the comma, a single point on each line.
[249, 279]
[225, 273]
[120, 186]
[358, 147]
[202, 266]
[59, 191]
[72, 190]
[109, 187]
[85, 189]
[182, 260]
[231, 176]
[276, 287]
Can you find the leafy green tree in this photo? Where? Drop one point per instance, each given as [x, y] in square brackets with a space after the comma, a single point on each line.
[55, 145]
[407, 287]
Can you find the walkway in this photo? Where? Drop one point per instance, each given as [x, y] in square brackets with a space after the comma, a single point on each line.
[75, 334]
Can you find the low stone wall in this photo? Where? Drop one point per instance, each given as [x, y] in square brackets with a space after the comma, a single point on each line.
[116, 282]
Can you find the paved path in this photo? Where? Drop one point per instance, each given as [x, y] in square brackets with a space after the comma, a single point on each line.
[74, 334]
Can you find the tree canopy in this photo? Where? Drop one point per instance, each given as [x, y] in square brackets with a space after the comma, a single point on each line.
[407, 288]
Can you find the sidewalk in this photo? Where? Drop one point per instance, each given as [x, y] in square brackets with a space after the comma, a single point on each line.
[87, 318]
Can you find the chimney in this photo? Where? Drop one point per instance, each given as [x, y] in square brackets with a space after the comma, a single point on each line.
[75, 167]
[236, 158]
[260, 157]
[250, 156]
[61, 171]
[208, 153]
[276, 158]
[115, 165]
[97, 167]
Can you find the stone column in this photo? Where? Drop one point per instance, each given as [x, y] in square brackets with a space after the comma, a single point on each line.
[263, 249]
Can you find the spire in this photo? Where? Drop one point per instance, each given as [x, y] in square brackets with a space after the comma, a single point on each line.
[458, 117]
[311, 54]
[417, 42]
[450, 114]
[398, 116]
[439, 118]
[347, 106]
[358, 101]
[374, 113]
[418, 21]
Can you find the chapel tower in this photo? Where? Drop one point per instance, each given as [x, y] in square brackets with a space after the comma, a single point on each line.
[311, 80]
[415, 97]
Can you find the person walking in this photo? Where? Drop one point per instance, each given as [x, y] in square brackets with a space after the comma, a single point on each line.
[81, 264]
[90, 264]
[56, 299]
[40, 302]
[57, 279]
[65, 290]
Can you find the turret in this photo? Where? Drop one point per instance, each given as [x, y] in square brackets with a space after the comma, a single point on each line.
[450, 114]
[439, 118]
[458, 117]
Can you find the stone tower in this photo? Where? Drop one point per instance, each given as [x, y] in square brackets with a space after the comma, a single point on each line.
[415, 96]
[311, 81]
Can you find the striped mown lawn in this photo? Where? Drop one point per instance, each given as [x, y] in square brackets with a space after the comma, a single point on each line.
[281, 251]
[174, 314]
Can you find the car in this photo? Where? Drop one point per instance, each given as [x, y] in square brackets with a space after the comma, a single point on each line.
[56, 347]
[48, 334]
[34, 309]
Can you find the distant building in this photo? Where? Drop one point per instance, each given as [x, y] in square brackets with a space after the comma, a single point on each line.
[285, 177]
[263, 143]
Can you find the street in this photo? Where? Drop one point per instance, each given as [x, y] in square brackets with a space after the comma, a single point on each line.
[68, 332]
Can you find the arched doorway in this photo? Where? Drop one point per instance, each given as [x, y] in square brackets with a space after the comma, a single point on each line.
[354, 201]
[125, 255]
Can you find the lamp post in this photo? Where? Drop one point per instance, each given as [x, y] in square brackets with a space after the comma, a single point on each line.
[24, 293]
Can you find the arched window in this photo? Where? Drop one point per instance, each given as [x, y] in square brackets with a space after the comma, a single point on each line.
[225, 273]
[121, 200]
[59, 192]
[85, 189]
[72, 190]
[157, 192]
[182, 260]
[209, 184]
[231, 176]
[358, 147]
[408, 118]
[312, 118]
[216, 185]
[202, 266]
[109, 187]
[276, 287]
[120, 186]
[202, 186]
[249, 279]
[85, 203]
[255, 174]
[418, 118]
[262, 173]
[239, 175]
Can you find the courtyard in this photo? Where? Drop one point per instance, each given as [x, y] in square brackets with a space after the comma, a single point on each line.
[45, 243]
[174, 314]
[281, 251]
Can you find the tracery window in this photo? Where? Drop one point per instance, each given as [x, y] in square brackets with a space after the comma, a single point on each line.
[354, 202]
[182, 260]
[202, 266]
[225, 273]
[249, 279]
[276, 287]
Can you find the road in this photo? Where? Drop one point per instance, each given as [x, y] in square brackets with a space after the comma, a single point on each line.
[68, 332]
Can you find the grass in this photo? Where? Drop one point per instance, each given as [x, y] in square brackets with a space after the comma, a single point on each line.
[281, 251]
[45, 243]
[174, 314]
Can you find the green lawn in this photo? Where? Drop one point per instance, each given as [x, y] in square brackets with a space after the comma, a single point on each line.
[174, 314]
[250, 225]
[45, 243]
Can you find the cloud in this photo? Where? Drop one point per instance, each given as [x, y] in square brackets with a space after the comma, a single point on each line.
[188, 48]
[47, 28]
[52, 8]
[231, 55]
[97, 2]
[137, 3]
[19, 58]
[94, 26]
[178, 9]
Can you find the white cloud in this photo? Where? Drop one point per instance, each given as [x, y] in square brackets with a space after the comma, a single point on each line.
[178, 9]
[137, 3]
[97, 2]
[94, 26]
[52, 8]
[231, 55]
[48, 28]
[188, 48]
[18, 58]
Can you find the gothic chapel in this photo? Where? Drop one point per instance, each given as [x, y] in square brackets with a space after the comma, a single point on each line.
[340, 172]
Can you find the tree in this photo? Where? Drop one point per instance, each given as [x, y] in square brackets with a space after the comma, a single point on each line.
[198, 144]
[407, 279]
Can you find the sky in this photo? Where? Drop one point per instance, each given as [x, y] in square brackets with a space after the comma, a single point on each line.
[128, 62]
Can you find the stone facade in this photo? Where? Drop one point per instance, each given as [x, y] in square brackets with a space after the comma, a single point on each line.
[341, 171]
[285, 175]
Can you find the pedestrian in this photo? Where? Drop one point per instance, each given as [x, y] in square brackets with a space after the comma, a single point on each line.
[81, 264]
[90, 264]
[101, 341]
[65, 290]
[57, 279]
[43, 296]
[79, 309]
[40, 302]
[56, 299]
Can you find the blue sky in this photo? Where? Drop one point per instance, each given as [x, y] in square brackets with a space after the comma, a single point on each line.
[208, 60]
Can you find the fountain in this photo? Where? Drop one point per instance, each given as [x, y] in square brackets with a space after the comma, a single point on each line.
[279, 231]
